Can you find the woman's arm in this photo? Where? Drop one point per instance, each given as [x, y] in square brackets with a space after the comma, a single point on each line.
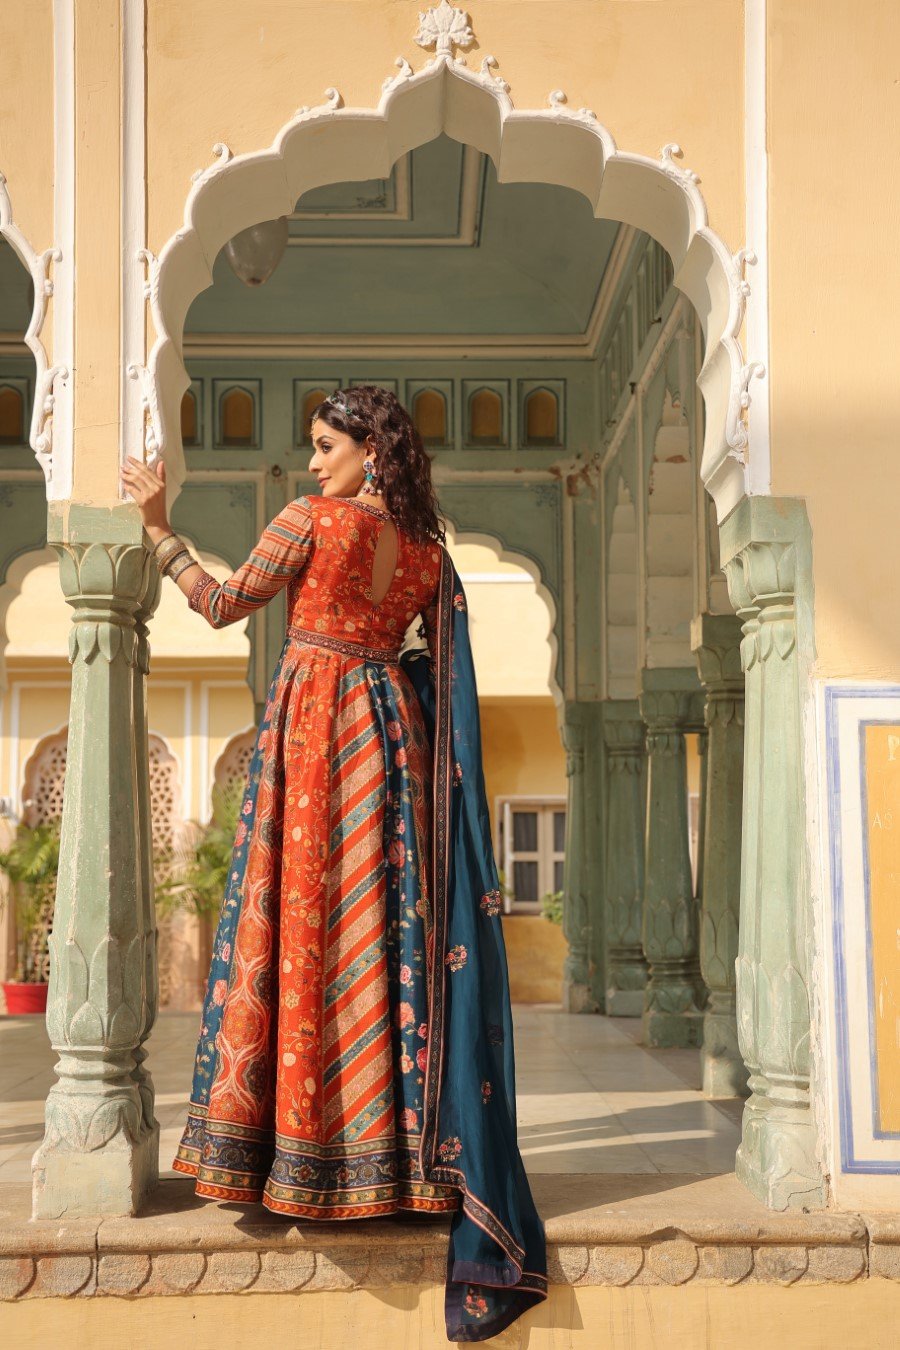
[282, 551]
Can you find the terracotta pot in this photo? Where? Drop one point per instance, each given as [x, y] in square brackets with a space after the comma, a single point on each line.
[25, 998]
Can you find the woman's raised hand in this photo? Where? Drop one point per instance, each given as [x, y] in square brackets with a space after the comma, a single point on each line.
[148, 488]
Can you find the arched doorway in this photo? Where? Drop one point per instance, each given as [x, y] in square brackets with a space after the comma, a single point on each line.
[571, 150]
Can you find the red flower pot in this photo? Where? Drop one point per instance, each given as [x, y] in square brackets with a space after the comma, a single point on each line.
[25, 998]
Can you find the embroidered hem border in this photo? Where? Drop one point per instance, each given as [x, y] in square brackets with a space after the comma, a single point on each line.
[240, 1163]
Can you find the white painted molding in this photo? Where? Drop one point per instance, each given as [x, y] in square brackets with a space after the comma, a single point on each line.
[38, 265]
[554, 145]
[136, 393]
[756, 226]
[60, 486]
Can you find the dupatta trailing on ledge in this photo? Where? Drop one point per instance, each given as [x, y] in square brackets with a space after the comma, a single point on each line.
[497, 1258]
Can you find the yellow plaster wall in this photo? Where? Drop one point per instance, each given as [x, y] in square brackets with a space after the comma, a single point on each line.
[522, 751]
[223, 70]
[39, 621]
[26, 120]
[860, 1316]
[834, 185]
[98, 43]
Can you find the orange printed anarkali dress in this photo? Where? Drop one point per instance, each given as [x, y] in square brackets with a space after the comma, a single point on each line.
[328, 1030]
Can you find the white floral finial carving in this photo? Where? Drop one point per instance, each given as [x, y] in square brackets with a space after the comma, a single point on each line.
[488, 65]
[670, 149]
[736, 433]
[742, 257]
[222, 156]
[444, 27]
[405, 73]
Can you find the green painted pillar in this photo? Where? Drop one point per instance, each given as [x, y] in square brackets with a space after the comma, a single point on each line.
[766, 554]
[99, 1154]
[626, 967]
[715, 638]
[581, 848]
[672, 1015]
[702, 750]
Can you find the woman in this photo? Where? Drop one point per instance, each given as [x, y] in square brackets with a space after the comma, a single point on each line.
[355, 1056]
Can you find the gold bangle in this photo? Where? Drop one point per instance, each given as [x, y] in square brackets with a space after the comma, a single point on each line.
[180, 565]
[169, 547]
[169, 554]
[166, 565]
[159, 543]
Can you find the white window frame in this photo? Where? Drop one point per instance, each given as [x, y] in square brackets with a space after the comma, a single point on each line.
[545, 856]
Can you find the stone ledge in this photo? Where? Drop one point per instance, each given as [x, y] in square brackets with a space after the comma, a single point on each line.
[601, 1230]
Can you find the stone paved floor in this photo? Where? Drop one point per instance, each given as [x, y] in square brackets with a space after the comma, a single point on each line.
[590, 1098]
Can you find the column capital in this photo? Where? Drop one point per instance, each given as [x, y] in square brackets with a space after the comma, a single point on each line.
[671, 699]
[623, 729]
[716, 642]
[760, 544]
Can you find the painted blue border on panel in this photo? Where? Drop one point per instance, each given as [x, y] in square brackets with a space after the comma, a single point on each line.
[877, 1131]
[833, 695]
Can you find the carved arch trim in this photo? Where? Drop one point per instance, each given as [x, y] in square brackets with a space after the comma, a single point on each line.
[37, 264]
[556, 145]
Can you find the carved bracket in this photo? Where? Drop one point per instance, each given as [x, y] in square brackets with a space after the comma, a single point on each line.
[38, 264]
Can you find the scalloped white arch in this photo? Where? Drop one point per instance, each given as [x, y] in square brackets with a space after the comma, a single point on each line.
[37, 265]
[504, 554]
[11, 589]
[555, 145]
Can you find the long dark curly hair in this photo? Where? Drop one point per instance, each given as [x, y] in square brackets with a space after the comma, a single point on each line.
[402, 467]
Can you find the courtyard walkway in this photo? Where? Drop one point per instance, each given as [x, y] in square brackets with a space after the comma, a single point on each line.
[632, 1173]
[590, 1099]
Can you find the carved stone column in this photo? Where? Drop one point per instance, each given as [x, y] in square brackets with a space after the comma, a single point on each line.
[765, 548]
[626, 967]
[577, 732]
[671, 1010]
[716, 640]
[99, 1153]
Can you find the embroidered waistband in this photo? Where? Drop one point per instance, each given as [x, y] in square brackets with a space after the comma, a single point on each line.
[336, 644]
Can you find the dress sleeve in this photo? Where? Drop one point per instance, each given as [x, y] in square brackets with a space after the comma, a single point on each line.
[283, 550]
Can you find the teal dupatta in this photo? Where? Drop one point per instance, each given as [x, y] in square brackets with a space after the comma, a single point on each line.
[497, 1259]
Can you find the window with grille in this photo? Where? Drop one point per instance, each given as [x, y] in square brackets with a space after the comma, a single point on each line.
[531, 832]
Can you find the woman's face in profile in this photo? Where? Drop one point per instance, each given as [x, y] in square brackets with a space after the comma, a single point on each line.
[337, 460]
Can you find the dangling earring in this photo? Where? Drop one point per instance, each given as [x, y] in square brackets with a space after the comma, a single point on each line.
[369, 484]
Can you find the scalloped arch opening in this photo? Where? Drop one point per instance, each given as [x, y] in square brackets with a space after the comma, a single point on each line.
[555, 145]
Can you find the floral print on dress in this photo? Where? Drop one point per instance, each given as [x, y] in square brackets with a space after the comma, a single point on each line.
[490, 902]
[334, 713]
[457, 957]
[475, 1304]
[486, 1091]
[450, 1149]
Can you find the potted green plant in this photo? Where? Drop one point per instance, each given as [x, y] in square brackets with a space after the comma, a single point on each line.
[552, 906]
[32, 863]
